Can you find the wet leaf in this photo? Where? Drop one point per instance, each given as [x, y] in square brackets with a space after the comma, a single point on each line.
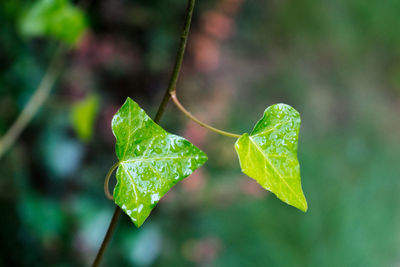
[151, 161]
[269, 154]
[83, 115]
[55, 18]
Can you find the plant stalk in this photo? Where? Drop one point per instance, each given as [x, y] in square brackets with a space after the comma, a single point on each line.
[36, 101]
[157, 118]
[110, 231]
[196, 120]
[178, 62]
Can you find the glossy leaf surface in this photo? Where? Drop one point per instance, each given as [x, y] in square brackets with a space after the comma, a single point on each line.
[151, 161]
[55, 18]
[269, 154]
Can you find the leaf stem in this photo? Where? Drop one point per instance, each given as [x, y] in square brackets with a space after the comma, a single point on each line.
[157, 118]
[107, 180]
[196, 120]
[36, 101]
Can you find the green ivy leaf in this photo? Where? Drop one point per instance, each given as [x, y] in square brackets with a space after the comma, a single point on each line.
[55, 18]
[83, 115]
[151, 161]
[269, 154]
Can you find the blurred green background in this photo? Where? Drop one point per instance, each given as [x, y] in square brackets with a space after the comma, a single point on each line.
[336, 62]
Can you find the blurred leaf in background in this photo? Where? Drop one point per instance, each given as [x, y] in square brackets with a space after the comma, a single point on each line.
[83, 116]
[54, 18]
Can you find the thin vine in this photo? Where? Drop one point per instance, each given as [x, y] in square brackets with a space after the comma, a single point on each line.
[36, 101]
[160, 112]
[107, 181]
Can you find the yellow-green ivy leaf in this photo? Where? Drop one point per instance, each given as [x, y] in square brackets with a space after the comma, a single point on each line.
[83, 115]
[151, 161]
[55, 18]
[269, 154]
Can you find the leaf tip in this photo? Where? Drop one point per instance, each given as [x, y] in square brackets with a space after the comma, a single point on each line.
[137, 224]
[301, 203]
[203, 156]
[304, 208]
[129, 100]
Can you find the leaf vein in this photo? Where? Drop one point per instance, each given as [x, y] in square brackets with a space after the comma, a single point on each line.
[271, 129]
[133, 184]
[275, 170]
[158, 158]
[129, 128]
